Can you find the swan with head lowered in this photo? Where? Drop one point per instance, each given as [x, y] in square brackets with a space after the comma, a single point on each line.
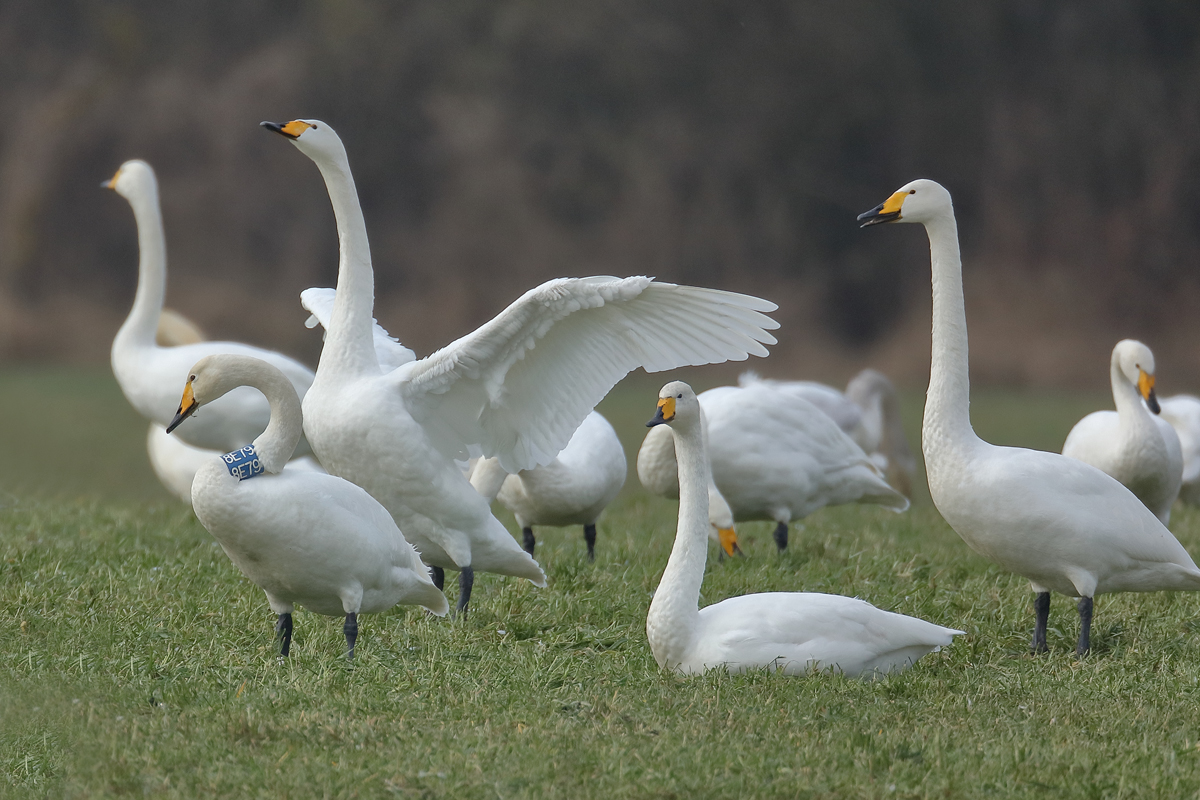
[1064, 525]
[1135, 446]
[149, 374]
[305, 538]
[572, 489]
[516, 389]
[796, 632]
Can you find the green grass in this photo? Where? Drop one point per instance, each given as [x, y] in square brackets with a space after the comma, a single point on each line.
[136, 660]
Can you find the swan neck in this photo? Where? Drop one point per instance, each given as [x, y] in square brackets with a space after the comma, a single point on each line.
[1132, 415]
[947, 424]
[277, 443]
[348, 343]
[142, 323]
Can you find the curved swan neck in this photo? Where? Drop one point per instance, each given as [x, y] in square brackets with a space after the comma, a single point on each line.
[277, 443]
[140, 326]
[676, 602]
[947, 423]
[1132, 415]
[348, 344]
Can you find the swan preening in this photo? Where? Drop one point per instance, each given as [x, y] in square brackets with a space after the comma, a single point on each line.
[1135, 446]
[571, 490]
[1063, 524]
[150, 375]
[305, 538]
[775, 456]
[516, 389]
[795, 632]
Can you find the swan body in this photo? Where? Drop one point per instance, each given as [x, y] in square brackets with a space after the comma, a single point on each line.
[795, 632]
[1183, 413]
[1063, 524]
[149, 375]
[775, 456]
[1135, 446]
[516, 389]
[571, 490]
[305, 538]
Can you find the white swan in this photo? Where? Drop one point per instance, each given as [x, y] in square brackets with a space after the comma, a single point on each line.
[796, 632]
[516, 389]
[1136, 447]
[305, 538]
[659, 474]
[149, 374]
[1183, 413]
[775, 456]
[571, 490]
[1061, 523]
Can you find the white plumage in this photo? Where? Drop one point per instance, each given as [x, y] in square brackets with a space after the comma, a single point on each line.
[795, 632]
[1063, 524]
[150, 375]
[1131, 444]
[1183, 413]
[306, 538]
[510, 390]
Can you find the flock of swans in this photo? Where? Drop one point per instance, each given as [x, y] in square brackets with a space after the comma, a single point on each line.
[353, 489]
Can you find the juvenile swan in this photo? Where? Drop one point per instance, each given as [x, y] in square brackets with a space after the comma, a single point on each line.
[795, 632]
[1061, 523]
[306, 538]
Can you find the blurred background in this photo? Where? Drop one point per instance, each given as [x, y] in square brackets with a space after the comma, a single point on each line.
[499, 143]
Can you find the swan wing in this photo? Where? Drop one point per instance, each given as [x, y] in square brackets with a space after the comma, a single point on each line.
[520, 385]
[388, 350]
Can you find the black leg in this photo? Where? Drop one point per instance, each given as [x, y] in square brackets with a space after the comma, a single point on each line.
[351, 630]
[530, 542]
[283, 632]
[466, 579]
[1085, 626]
[439, 577]
[589, 536]
[781, 536]
[1041, 607]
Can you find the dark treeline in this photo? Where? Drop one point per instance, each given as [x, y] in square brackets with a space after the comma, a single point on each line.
[497, 144]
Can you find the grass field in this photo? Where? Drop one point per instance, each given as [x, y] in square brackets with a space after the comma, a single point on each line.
[135, 659]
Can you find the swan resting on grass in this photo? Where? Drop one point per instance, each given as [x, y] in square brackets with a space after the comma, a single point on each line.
[571, 490]
[1135, 446]
[305, 538]
[1064, 525]
[795, 632]
[516, 389]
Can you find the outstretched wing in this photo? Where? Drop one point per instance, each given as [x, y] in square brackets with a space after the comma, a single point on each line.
[388, 350]
[520, 385]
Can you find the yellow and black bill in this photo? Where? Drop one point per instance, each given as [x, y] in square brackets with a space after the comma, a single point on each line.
[291, 130]
[187, 407]
[665, 413]
[728, 540]
[111, 183]
[886, 211]
[1146, 390]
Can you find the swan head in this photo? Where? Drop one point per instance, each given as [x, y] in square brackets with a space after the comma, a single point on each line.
[919, 201]
[1136, 363]
[210, 378]
[132, 178]
[312, 137]
[677, 406]
[720, 516]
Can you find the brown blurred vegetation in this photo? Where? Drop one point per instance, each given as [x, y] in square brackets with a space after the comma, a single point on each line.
[498, 143]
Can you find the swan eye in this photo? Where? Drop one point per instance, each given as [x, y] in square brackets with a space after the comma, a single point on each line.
[191, 378]
[314, 127]
[679, 396]
[910, 191]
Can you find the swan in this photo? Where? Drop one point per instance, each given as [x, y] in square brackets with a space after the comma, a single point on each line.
[516, 389]
[869, 411]
[796, 632]
[775, 456]
[148, 373]
[1063, 524]
[1136, 447]
[571, 490]
[305, 538]
[659, 474]
[1183, 413]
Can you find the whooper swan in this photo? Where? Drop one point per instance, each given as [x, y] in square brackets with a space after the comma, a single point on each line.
[1061, 523]
[516, 389]
[795, 632]
[1133, 445]
[305, 538]
[1183, 413]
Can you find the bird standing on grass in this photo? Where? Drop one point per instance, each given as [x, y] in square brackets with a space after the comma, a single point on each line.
[305, 538]
[1063, 524]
